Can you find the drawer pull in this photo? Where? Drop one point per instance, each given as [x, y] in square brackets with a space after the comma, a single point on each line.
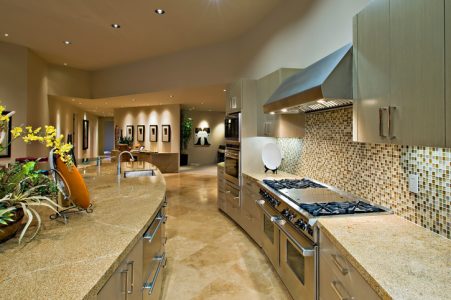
[340, 267]
[131, 263]
[149, 236]
[149, 286]
[335, 285]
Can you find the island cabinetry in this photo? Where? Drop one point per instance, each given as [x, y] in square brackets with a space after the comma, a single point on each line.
[251, 215]
[338, 278]
[125, 283]
[140, 274]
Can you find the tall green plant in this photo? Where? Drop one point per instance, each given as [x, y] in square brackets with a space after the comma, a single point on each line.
[186, 131]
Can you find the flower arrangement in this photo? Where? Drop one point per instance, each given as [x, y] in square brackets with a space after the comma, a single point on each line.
[22, 187]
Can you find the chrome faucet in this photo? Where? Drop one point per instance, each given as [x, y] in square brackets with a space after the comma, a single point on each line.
[119, 161]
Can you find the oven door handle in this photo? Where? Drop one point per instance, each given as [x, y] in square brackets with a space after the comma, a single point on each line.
[261, 204]
[305, 252]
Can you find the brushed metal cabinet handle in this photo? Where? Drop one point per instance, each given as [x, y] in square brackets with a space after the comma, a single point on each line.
[381, 124]
[125, 283]
[342, 269]
[335, 285]
[132, 283]
[390, 122]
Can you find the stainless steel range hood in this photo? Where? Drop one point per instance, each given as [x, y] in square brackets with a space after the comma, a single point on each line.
[323, 85]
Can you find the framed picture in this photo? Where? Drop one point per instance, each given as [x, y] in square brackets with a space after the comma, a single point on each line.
[166, 133]
[141, 133]
[130, 132]
[154, 133]
[201, 136]
[85, 134]
[5, 138]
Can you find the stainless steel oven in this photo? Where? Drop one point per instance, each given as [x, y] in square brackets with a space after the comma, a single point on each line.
[297, 260]
[270, 233]
[232, 170]
[292, 254]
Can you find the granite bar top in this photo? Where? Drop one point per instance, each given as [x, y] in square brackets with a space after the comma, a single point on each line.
[398, 258]
[74, 261]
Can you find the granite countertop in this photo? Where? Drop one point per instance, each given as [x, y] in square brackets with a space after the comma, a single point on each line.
[259, 176]
[74, 261]
[398, 258]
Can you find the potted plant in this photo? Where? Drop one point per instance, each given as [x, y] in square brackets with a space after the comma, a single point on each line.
[22, 191]
[186, 132]
[22, 188]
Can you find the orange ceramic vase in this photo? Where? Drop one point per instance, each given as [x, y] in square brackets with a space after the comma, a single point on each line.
[77, 186]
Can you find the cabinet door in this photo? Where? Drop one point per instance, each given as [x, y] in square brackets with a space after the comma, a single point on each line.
[125, 283]
[234, 95]
[372, 64]
[417, 90]
[448, 70]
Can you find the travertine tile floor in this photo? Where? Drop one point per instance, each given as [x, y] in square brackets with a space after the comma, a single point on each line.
[209, 257]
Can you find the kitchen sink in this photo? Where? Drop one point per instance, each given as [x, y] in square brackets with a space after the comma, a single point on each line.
[139, 173]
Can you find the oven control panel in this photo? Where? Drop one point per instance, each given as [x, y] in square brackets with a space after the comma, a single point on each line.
[299, 221]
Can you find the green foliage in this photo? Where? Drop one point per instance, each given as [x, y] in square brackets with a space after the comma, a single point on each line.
[125, 140]
[186, 131]
[22, 177]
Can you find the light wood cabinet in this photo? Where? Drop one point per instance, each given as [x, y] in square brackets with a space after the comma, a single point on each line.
[338, 279]
[125, 283]
[276, 125]
[399, 62]
[251, 214]
[417, 90]
[221, 191]
[372, 65]
[448, 70]
[234, 97]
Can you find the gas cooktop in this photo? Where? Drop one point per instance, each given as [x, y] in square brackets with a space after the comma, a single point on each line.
[319, 200]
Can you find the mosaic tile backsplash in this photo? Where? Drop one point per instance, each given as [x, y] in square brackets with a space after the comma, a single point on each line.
[375, 172]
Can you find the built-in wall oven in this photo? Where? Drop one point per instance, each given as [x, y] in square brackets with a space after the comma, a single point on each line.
[232, 170]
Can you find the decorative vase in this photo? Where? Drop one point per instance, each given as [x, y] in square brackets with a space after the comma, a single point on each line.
[9, 231]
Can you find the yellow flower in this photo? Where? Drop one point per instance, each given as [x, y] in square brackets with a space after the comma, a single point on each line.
[37, 130]
[29, 129]
[16, 132]
[50, 130]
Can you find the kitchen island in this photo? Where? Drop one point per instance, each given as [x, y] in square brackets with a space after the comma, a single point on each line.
[75, 260]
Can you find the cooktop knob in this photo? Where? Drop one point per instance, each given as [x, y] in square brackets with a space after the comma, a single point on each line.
[310, 230]
[300, 224]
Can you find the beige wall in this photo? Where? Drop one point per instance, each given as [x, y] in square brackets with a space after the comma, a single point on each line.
[201, 155]
[13, 90]
[65, 81]
[61, 116]
[294, 35]
[152, 115]
[37, 103]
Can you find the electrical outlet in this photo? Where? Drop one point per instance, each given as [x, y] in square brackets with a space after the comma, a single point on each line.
[413, 183]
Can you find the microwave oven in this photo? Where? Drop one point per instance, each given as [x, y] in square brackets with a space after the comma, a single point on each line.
[232, 126]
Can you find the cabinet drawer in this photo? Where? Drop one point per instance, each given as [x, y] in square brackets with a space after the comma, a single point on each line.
[338, 278]
[251, 185]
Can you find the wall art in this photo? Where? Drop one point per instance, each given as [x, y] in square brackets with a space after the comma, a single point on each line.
[154, 133]
[85, 134]
[201, 136]
[166, 135]
[141, 133]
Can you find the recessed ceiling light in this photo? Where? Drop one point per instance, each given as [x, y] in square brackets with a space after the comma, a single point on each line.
[225, 90]
[115, 26]
[201, 103]
[160, 11]
[272, 113]
[133, 99]
[65, 64]
[171, 96]
[73, 99]
[284, 110]
[6, 34]
[67, 42]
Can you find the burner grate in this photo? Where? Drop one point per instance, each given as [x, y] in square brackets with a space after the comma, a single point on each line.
[292, 184]
[339, 208]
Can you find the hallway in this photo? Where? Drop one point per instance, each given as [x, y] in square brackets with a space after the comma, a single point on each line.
[209, 256]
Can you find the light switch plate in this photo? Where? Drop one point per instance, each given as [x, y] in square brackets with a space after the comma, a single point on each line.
[413, 183]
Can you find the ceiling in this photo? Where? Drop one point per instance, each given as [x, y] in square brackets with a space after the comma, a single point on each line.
[43, 26]
[210, 98]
